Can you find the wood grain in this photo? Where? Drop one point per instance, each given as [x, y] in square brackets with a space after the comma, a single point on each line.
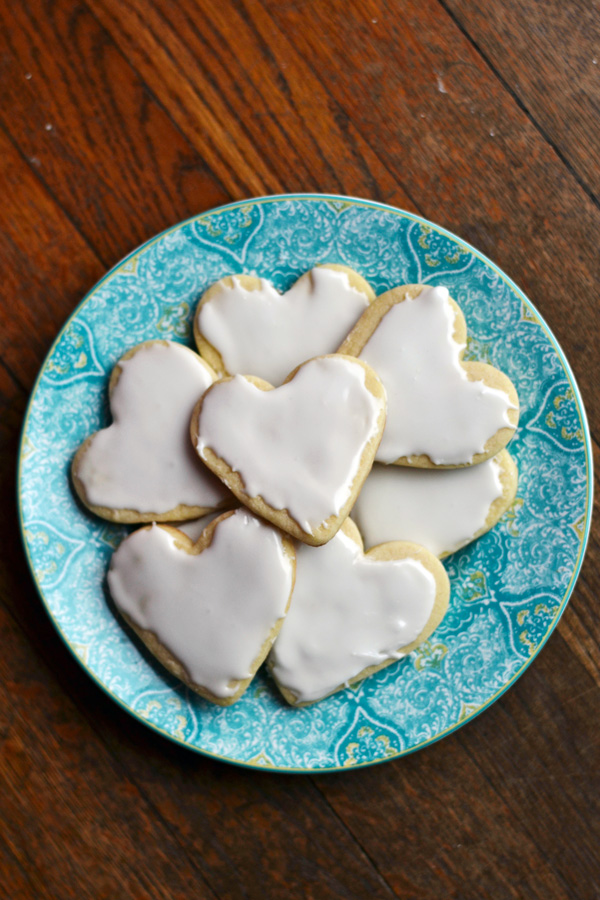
[96, 137]
[503, 791]
[559, 86]
[481, 118]
[39, 289]
[269, 113]
[413, 95]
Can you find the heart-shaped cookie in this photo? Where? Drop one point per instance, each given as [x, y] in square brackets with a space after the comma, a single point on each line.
[244, 326]
[142, 468]
[441, 411]
[208, 611]
[297, 454]
[441, 510]
[353, 613]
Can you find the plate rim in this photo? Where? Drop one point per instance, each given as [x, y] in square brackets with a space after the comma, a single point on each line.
[355, 201]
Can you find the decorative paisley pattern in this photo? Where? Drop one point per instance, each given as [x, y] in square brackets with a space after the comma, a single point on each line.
[508, 589]
[74, 357]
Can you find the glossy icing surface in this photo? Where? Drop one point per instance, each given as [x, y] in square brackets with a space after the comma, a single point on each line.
[145, 460]
[299, 446]
[264, 333]
[440, 509]
[348, 612]
[433, 408]
[212, 610]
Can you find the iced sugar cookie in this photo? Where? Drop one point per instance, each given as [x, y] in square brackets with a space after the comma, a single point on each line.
[297, 454]
[441, 510]
[353, 613]
[441, 411]
[244, 326]
[142, 468]
[208, 611]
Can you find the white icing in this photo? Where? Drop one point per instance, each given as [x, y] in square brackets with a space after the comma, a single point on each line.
[145, 460]
[266, 334]
[214, 610]
[433, 408]
[440, 509]
[298, 446]
[348, 612]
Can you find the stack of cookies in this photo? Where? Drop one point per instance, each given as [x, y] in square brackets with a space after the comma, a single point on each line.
[300, 410]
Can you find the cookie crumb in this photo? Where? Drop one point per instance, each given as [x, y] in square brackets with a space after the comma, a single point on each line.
[440, 85]
[28, 76]
[48, 126]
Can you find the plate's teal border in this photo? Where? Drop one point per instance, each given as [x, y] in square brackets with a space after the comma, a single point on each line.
[356, 201]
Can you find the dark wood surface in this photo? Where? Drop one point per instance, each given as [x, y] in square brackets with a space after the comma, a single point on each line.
[119, 118]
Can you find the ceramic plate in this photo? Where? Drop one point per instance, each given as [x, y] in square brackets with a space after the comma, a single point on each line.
[508, 589]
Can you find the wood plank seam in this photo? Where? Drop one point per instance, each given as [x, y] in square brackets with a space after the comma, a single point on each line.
[14, 378]
[494, 789]
[348, 830]
[88, 715]
[118, 763]
[522, 106]
[366, 138]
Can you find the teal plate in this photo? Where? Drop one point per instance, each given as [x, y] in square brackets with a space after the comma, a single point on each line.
[509, 588]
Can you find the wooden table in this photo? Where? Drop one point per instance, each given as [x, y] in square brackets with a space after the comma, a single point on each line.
[119, 118]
